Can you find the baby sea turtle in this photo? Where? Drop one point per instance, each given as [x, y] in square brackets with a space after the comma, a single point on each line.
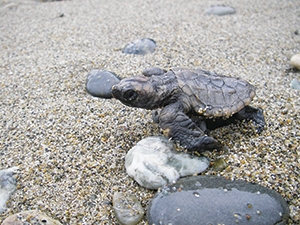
[192, 101]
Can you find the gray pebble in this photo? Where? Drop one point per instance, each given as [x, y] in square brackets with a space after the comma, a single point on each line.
[216, 200]
[295, 84]
[7, 185]
[140, 47]
[127, 208]
[100, 82]
[154, 162]
[219, 10]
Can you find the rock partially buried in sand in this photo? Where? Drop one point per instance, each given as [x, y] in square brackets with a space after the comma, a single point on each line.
[295, 84]
[127, 208]
[100, 82]
[7, 185]
[30, 217]
[140, 46]
[216, 200]
[154, 162]
[219, 10]
[295, 61]
[219, 164]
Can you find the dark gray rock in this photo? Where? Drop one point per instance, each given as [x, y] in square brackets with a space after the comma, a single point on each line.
[140, 46]
[100, 82]
[219, 10]
[216, 200]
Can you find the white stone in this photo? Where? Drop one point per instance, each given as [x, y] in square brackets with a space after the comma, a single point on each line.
[295, 61]
[7, 185]
[154, 162]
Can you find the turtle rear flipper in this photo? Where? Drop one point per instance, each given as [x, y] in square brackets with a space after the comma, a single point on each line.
[181, 128]
[200, 144]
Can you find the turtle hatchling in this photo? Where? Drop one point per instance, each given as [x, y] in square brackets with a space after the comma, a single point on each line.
[192, 101]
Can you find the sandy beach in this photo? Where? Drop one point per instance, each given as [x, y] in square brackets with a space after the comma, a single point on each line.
[70, 146]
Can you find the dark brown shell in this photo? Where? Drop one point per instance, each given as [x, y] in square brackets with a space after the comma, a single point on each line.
[213, 95]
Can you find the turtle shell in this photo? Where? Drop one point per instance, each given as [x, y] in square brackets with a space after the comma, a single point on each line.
[213, 95]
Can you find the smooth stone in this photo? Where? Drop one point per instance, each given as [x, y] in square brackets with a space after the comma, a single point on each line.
[216, 200]
[127, 208]
[154, 162]
[140, 46]
[295, 84]
[219, 10]
[30, 217]
[99, 83]
[295, 61]
[7, 185]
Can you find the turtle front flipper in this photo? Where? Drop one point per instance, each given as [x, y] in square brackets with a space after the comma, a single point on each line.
[255, 115]
[181, 128]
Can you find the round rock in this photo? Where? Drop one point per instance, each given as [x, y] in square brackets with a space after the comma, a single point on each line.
[216, 200]
[127, 208]
[219, 10]
[99, 83]
[30, 217]
[154, 162]
[140, 46]
[295, 61]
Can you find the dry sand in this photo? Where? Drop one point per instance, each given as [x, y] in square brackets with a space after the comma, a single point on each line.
[70, 147]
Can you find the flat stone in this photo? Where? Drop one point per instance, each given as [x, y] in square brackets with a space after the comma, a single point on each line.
[154, 162]
[99, 83]
[216, 200]
[295, 61]
[7, 185]
[140, 47]
[127, 208]
[219, 10]
[30, 217]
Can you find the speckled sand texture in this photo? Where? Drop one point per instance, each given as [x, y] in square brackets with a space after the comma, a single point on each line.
[70, 147]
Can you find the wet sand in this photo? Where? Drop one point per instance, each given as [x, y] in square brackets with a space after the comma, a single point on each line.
[70, 147]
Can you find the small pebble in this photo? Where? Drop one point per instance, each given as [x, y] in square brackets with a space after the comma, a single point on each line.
[7, 185]
[295, 84]
[127, 208]
[216, 200]
[30, 217]
[100, 82]
[140, 47]
[295, 61]
[219, 10]
[219, 164]
[154, 162]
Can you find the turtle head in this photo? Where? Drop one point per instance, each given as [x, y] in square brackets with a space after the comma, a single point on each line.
[137, 91]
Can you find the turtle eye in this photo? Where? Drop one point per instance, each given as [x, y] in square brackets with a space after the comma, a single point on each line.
[130, 95]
